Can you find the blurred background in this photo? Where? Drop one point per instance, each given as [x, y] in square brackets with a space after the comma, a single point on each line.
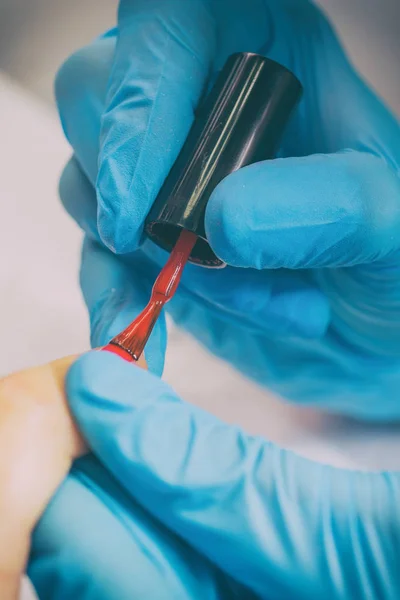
[39, 294]
[36, 36]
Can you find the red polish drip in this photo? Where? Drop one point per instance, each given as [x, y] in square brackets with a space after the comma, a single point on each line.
[130, 343]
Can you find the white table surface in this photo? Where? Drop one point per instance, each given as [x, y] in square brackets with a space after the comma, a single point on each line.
[43, 317]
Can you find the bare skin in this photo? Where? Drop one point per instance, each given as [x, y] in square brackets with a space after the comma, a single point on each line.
[38, 442]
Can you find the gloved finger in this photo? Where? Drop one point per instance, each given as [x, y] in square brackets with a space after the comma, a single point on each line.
[79, 198]
[115, 295]
[162, 59]
[316, 211]
[224, 491]
[80, 90]
[155, 107]
[94, 542]
[284, 302]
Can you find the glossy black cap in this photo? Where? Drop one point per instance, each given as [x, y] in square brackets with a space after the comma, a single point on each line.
[240, 122]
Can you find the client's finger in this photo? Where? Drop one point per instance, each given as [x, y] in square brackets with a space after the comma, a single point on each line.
[38, 441]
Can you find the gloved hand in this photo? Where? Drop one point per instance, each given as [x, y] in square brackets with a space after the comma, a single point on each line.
[190, 507]
[310, 306]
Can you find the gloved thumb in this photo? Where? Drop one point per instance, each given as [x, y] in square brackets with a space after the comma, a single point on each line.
[316, 211]
[281, 525]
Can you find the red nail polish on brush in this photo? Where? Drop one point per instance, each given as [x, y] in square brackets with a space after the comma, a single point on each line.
[130, 343]
[240, 123]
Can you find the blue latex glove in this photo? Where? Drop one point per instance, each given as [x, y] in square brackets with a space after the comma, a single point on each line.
[311, 305]
[281, 526]
[176, 504]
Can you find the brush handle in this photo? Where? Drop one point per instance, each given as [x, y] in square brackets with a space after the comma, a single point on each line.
[129, 344]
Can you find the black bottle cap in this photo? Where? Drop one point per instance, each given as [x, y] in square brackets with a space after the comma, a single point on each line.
[240, 122]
